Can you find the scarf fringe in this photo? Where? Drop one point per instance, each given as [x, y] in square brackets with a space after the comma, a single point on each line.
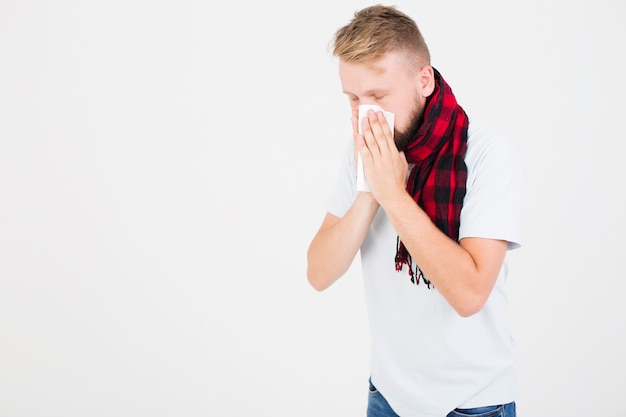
[417, 274]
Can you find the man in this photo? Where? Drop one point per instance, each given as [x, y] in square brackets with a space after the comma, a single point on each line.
[443, 209]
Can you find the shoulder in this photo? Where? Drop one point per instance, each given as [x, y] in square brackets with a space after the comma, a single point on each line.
[492, 205]
[483, 137]
[487, 144]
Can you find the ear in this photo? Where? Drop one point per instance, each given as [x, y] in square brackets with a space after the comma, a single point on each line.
[426, 80]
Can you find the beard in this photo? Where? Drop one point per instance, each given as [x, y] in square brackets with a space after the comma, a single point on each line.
[404, 138]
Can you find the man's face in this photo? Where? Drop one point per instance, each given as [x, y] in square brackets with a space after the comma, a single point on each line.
[390, 83]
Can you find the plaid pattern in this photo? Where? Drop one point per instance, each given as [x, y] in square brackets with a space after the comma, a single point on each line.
[437, 181]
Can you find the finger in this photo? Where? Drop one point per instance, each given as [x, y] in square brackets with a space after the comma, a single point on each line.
[403, 157]
[387, 132]
[380, 130]
[355, 122]
[361, 147]
[368, 135]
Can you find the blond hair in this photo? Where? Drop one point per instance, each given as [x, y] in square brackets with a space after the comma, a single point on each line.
[377, 30]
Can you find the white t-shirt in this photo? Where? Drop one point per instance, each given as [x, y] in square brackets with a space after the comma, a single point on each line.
[427, 360]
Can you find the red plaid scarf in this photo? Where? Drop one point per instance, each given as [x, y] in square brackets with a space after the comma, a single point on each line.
[437, 181]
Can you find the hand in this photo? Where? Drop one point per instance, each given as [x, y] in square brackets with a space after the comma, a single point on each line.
[385, 167]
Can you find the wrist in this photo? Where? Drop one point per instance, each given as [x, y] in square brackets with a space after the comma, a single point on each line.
[394, 198]
[367, 199]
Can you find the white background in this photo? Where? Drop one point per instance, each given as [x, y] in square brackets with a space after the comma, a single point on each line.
[164, 165]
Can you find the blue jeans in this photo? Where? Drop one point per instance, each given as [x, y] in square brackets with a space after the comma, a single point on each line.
[377, 406]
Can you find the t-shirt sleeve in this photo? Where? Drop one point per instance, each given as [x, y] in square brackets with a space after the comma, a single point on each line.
[492, 207]
[343, 193]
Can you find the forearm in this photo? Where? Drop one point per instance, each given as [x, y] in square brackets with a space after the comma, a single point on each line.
[463, 278]
[335, 245]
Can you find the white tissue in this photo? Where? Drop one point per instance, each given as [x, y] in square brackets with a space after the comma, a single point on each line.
[361, 183]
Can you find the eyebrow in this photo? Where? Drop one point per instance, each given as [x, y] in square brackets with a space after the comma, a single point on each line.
[368, 92]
